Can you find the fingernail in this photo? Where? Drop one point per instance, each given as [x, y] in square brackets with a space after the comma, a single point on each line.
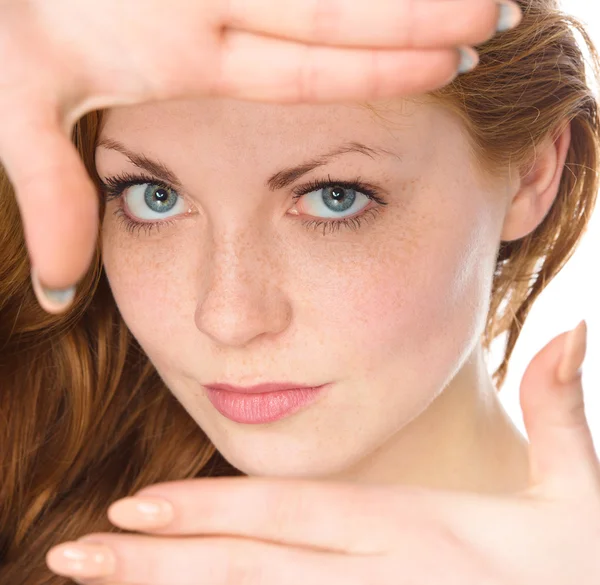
[469, 59]
[81, 560]
[573, 354]
[138, 512]
[509, 15]
[52, 300]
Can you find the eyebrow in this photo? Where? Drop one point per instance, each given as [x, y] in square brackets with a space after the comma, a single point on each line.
[279, 180]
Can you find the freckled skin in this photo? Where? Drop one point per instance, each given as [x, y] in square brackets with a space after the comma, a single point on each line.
[392, 313]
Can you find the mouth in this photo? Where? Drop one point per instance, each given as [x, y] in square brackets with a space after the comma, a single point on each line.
[260, 388]
[262, 403]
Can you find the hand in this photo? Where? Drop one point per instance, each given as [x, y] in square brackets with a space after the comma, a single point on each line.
[62, 59]
[254, 531]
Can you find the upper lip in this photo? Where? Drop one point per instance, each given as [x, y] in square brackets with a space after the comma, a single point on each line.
[259, 388]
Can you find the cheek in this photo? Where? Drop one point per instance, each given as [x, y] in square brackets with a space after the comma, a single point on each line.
[374, 311]
[421, 296]
[144, 282]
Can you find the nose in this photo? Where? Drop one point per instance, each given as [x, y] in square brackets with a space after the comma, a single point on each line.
[240, 294]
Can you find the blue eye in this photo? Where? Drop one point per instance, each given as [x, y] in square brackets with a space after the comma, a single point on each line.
[151, 202]
[333, 202]
[156, 197]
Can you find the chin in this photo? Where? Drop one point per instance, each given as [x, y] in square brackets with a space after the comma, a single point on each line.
[288, 465]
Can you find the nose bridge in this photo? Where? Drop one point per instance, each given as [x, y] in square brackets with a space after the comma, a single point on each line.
[241, 254]
[240, 294]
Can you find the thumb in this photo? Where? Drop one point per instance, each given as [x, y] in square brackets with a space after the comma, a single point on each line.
[563, 460]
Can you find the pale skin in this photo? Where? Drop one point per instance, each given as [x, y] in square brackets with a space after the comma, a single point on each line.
[418, 454]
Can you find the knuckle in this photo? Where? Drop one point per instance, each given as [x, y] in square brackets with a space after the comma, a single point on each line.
[450, 539]
[375, 76]
[307, 76]
[466, 559]
[408, 24]
[326, 21]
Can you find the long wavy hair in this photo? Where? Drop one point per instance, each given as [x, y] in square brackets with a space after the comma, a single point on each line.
[84, 417]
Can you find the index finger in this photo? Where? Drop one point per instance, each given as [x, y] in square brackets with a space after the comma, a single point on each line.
[55, 195]
[404, 24]
[337, 517]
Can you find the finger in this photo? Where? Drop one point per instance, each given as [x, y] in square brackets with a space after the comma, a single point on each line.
[57, 199]
[260, 68]
[402, 24]
[150, 560]
[563, 458]
[336, 517]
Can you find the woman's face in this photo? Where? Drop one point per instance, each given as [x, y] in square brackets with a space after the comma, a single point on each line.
[244, 281]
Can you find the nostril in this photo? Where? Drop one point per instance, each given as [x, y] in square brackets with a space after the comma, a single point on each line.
[236, 316]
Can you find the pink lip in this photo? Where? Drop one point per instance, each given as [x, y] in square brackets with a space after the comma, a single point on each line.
[254, 405]
[258, 388]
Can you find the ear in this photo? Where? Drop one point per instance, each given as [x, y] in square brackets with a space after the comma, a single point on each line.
[537, 189]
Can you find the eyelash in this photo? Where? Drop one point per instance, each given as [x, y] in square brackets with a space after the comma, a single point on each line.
[114, 187]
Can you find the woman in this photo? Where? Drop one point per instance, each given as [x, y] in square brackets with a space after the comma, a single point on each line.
[369, 253]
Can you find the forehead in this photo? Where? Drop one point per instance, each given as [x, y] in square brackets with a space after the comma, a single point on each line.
[235, 121]
[236, 140]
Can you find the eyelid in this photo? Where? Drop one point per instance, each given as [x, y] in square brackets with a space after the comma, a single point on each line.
[373, 192]
[128, 211]
[141, 177]
[115, 186]
[122, 181]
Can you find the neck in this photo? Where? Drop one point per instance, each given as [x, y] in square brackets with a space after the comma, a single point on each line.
[465, 440]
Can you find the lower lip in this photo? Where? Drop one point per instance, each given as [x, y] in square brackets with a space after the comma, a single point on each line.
[262, 408]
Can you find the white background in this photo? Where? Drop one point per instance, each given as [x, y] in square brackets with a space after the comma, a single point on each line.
[572, 296]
